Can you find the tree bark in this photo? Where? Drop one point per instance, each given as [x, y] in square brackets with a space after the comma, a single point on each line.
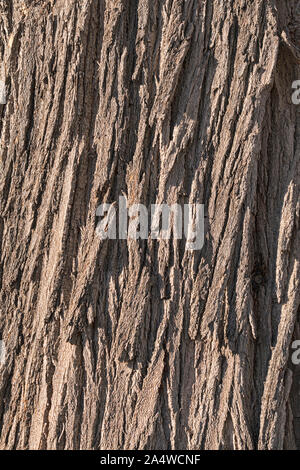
[123, 344]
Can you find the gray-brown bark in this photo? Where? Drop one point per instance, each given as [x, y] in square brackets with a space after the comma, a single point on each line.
[143, 344]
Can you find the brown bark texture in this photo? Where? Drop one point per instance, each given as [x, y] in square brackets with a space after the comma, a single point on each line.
[142, 344]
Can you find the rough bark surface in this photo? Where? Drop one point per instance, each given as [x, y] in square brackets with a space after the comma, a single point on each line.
[143, 344]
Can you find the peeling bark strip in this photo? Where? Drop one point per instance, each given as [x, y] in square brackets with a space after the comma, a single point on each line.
[140, 344]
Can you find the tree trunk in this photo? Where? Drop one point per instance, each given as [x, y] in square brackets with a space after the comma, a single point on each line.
[143, 344]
